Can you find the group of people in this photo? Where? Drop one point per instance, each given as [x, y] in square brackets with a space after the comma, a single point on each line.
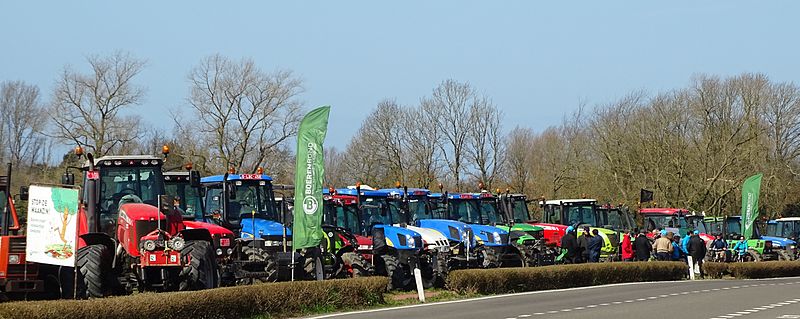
[583, 248]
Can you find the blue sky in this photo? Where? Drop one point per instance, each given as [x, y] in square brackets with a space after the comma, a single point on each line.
[537, 61]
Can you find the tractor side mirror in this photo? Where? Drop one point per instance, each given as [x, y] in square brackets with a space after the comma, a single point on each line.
[23, 193]
[68, 179]
[194, 178]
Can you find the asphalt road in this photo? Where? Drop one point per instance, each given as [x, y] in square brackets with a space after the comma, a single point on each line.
[728, 299]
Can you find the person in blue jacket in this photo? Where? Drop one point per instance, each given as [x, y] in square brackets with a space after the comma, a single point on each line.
[677, 248]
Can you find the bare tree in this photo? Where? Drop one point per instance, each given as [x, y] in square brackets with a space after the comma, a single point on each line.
[518, 159]
[86, 106]
[485, 148]
[243, 114]
[422, 153]
[451, 101]
[23, 120]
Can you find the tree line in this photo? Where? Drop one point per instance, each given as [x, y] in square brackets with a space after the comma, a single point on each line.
[692, 146]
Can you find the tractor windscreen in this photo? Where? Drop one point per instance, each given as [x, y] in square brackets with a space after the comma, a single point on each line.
[345, 216]
[188, 198]
[614, 218]
[660, 221]
[375, 211]
[520, 210]
[581, 214]
[254, 197]
[419, 208]
[490, 215]
[465, 211]
[714, 227]
[696, 223]
[143, 184]
[788, 229]
[734, 226]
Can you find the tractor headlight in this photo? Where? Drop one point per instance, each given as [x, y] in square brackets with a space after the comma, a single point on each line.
[13, 259]
[497, 239]
[149, 245]
[177, 243]
[410, 241]
[219, 251]
[229, 251]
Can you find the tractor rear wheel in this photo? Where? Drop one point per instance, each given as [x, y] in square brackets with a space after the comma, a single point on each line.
[267, 271]
[389, 266]
[359, 265]
[94, 265]
[200, 266]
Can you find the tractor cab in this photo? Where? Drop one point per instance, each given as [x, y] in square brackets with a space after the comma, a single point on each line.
[480, 212]
[787, 227]
[615, 217]
[558, 214]
[773, 233]
[676, 220]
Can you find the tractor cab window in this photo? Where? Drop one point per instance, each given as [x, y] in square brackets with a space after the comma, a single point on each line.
[520, 210]
[347, 218]
[552, 214]
[438, 209]
[418, 209]
[659, 221]
[120, 185]
[772, 230]
[787, 229]
[582, 214]
[465, 211]
[375, 212]
[489, 212]
[697, 223]
[254, 198]
[187, 198]
[614, 218]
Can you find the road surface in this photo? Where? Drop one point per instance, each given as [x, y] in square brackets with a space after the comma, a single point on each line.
[718, 299]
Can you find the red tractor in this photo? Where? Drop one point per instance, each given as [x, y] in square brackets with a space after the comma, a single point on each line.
[354, 250]
[132, 237]
[18, 277]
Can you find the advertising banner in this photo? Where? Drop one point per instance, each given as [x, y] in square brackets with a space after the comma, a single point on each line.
[52, 225]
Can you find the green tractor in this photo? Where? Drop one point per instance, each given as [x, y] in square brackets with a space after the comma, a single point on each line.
[730, 228]
[512, 215]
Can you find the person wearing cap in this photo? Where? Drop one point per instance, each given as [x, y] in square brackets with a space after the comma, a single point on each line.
[569, 243]
[697, 249]
[663, 247]
[641, 247]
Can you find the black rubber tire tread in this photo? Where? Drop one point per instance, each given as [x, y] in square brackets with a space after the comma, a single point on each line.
[271, 267]
[94, 264]
[359, 265]
[390, 267]
[200, 266]
[784, 255]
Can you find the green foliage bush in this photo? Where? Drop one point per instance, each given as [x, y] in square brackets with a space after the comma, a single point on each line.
[509, 280]
[275, 300]
[715, 270]
[768, 269]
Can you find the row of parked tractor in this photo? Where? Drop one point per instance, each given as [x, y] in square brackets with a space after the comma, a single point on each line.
[146, 227]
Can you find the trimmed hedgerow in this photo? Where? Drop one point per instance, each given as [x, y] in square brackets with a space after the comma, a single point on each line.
[715, 269]
[768, 269]
[275, 300]
[509, 280]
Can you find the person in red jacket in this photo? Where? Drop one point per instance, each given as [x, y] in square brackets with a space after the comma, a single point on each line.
[627, 247]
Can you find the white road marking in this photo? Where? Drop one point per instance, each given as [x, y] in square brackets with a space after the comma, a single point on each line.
[604, 304]
[579, 308]
[524, 316]
[629, 301]
[591, 306]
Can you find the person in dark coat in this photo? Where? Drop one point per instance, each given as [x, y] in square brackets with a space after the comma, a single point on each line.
[642, 247]
[569, 242]
[697, 249]
[583, 244]
[595, 245]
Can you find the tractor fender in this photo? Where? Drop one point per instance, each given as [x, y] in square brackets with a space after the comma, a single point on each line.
[105, 240]
[196, 234]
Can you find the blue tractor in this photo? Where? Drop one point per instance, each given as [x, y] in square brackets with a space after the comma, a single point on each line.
[397, 248]
[783, 234]
[495, 249]
[245, 204]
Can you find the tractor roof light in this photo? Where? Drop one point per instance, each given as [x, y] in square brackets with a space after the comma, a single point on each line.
[165, 150]
[260, 171]
[78, 151]
[231, 170]
[188, 166]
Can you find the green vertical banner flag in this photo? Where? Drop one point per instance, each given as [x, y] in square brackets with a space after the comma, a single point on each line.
[750, 191]
[309, 175]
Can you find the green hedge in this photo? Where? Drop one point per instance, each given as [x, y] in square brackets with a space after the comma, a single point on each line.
[768, 269]
[509, 280]
[274, 300]
[715, 270]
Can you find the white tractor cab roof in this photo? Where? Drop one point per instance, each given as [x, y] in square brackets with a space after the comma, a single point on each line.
[788, 219]
[560, 201]
[126, 160]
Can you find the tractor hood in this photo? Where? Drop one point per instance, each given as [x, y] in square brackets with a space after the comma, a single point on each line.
[525, 227]
[454, 231]
[780, 242]
[432, 237]
[263, 227]
[215, 230]
[138, 211]
[490, 235]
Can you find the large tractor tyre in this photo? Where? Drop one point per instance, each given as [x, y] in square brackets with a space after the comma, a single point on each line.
[784, 255]
[750, 256]
[389, 266]
[200, 270]
[94, 267]
[310, 267]
[434, 273]
[489, 258]
[359, 266]
[266, 269]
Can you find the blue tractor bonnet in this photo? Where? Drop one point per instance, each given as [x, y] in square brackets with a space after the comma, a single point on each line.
[263, 228]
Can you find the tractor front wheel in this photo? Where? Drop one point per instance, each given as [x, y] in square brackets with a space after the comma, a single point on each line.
[389, 266]
[784, 255]
[94, 265]
[267, 269]
[200, 266]
[490, 258]
[355, 261]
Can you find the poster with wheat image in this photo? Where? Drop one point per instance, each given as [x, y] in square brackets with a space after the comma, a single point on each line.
[52, 225]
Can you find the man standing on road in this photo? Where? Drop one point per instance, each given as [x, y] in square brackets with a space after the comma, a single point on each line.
[641, 247]
[697, 249]
[595, 244]
[663, 248]
[570, 243]
[583, 243]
